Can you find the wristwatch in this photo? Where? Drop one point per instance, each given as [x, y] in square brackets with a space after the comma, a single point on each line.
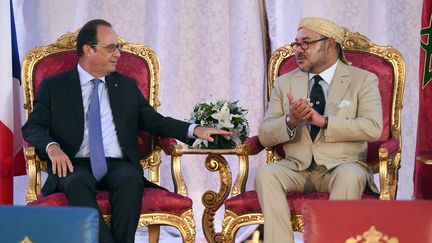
[325, 122]
[288, 123]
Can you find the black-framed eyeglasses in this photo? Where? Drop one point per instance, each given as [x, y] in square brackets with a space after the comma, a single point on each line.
[304, 45]
[110, 47]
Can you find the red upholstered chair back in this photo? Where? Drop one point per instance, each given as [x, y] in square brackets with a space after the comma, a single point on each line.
[137, 61]
[367, 221]
[386, 62]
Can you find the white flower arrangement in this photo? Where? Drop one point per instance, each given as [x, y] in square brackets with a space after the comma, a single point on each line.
[224, 115]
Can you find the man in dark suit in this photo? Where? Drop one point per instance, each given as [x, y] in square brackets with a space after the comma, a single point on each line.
[65, 131]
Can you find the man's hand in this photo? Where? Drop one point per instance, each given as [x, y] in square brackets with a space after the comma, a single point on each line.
[60, 161]
[206, 132]
[299, 110]
[317, 119]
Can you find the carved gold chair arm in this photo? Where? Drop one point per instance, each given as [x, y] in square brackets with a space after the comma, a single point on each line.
[166, 144]
[34, 167]
[388, 174]
[250, 146]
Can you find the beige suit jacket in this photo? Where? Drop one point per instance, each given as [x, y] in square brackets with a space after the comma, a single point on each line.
[354, 111]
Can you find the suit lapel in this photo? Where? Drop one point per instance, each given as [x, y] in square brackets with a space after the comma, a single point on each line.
[339, 85]
[115, 98]
[75, 94]
[299, 85]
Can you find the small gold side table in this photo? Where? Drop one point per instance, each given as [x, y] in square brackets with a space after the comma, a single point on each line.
[211, 200]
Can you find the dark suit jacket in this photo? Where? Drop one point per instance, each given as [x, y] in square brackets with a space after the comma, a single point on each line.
[58, 116]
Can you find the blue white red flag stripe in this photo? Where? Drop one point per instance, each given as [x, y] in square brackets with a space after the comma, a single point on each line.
[10, 111]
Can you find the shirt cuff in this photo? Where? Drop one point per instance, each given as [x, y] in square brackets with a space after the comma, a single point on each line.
[291, 132]
[191, 129]
[49, 144]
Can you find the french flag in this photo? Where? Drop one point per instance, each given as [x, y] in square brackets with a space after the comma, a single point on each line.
[11, 143]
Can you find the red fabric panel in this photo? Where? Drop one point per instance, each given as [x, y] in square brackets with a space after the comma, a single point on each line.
[128, 65]
[374, 64]
[422, 172]
[287, 66]
[52, 65]
[247, 202]
[6, 165]
[337, 221]
[153, 201]
[137, 69]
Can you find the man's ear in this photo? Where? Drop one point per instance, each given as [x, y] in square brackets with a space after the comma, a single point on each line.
[87, 49]
[332, 43]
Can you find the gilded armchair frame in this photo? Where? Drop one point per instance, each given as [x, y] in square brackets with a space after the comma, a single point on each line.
[387, 165]
[184, 223]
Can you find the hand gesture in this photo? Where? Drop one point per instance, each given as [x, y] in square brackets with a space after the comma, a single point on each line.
[299, 110]
[205, 133]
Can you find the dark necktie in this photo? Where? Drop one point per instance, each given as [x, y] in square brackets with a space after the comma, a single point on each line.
[318, 100]
[97, 153]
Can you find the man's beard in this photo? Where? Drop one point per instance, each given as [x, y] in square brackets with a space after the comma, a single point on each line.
[306, 69]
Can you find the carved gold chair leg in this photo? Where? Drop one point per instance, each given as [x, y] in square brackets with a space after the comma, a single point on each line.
[232, 223]
[154, 232]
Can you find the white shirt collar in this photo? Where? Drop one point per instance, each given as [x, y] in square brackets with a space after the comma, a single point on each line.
[86, 77]
[328, 74]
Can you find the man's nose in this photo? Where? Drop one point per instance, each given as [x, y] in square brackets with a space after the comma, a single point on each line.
[298, 50]
[117, 52]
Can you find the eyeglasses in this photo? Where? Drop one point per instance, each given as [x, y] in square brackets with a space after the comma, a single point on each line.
[110, 47]
[304, 45]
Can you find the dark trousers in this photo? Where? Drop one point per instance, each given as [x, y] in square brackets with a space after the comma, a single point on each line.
[125, 185]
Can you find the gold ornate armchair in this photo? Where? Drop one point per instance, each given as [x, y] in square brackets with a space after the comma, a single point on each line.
[159, 207]
[383, 155]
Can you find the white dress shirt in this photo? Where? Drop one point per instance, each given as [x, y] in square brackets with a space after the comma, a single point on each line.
[327, 76]
[109, 134]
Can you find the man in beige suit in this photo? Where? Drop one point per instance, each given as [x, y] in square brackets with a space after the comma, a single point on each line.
[351, 116]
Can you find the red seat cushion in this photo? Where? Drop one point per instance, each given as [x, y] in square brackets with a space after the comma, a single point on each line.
[247, 202]
[153, 200]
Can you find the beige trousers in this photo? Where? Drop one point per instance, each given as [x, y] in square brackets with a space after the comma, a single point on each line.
[274, 181]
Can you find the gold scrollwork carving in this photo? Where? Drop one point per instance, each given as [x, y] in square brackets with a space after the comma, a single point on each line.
[184, 223]
[372, 236]
[232, 223]
[297, 222]
[211, 200]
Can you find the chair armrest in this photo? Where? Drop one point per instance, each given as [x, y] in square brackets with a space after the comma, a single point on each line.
[34, 168]
[389, 162]
[254, 144]
[392, 146]
[167, 144]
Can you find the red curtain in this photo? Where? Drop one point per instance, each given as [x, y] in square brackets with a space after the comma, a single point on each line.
[423, 172]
